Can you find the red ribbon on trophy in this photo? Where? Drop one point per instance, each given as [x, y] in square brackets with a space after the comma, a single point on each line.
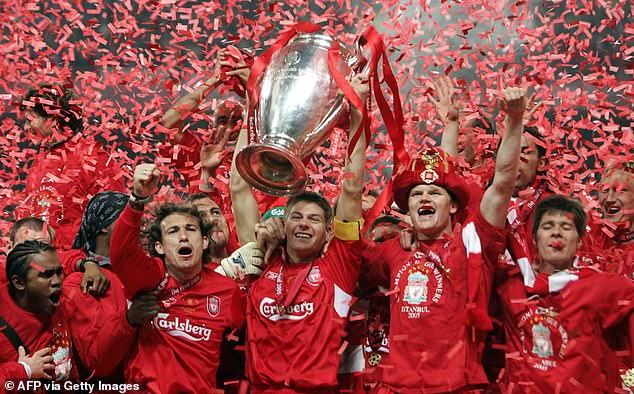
[393, 118]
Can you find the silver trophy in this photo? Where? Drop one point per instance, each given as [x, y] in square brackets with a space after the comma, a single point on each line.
[299, 104]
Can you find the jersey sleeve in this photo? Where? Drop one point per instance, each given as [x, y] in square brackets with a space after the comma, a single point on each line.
[617, 303]
[237, 301]
[69, 258]
[11, 370]
[137, 271]
[375, 270]
[90, 317]
[479, 236]
[343, 263]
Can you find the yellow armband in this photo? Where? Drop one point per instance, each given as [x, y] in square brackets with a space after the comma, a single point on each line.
[348, 231]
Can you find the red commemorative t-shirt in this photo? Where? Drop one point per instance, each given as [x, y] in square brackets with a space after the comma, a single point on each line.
[557, 341]
[179, 351]
[61, 181]
[297, 351]
[431, 349]
[38, 332]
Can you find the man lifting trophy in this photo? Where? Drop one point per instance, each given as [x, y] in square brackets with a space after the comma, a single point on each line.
[297, 99]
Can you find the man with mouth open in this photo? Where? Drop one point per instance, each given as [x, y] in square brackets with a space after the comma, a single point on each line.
[439, 288]
[612, 237]
[557, 318]
[33, 321]
[198, 304]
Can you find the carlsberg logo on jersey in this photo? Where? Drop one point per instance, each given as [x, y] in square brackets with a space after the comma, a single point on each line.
[180, 328]
[270, 310]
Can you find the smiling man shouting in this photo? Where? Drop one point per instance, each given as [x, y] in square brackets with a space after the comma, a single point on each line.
[440, 279]
[197, 304]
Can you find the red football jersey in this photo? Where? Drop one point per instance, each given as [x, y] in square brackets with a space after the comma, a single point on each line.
[297, 351]
[92, 316]
[431, 349]
[180, 350]
[61, 181]
[557, 340]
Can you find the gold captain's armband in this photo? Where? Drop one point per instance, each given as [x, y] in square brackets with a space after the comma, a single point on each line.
[348, 231]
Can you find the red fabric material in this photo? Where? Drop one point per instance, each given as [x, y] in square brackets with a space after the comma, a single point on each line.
[69, 258]
[299, 350]
[101, 333]
[377, 340]
[38, 332]
[61, 181]
[185, 338]
[11, 370]
[571, 353]
[3, 270]
[526, 213]
[431, 349]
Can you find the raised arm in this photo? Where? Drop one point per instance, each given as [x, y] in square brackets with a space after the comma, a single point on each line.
[189, 103]
[349, 205]
[448, 108]
[496, 198]
[245, 207]
[137, 270]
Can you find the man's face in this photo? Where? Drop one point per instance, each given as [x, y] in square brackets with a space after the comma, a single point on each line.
[182, 244]
[384, 231]
[529, 162]
[617, 197]
[25, 233]
[306, 229]
[219, 232]
[37, 126]
[228, 115]
[557, 239]
[43, 283]
[430, 208]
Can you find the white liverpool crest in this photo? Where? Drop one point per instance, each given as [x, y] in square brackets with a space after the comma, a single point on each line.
[213, 306]
[416, 289]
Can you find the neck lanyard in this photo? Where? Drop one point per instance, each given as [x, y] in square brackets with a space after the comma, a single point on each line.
[285, 302]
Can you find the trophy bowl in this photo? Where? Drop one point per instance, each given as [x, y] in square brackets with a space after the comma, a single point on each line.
[299, 104]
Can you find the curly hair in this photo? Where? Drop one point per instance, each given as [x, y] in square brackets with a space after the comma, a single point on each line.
[18, 260]
[154, 232]
[56, 101]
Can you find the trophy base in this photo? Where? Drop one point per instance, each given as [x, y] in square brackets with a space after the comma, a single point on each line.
[273, 170]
